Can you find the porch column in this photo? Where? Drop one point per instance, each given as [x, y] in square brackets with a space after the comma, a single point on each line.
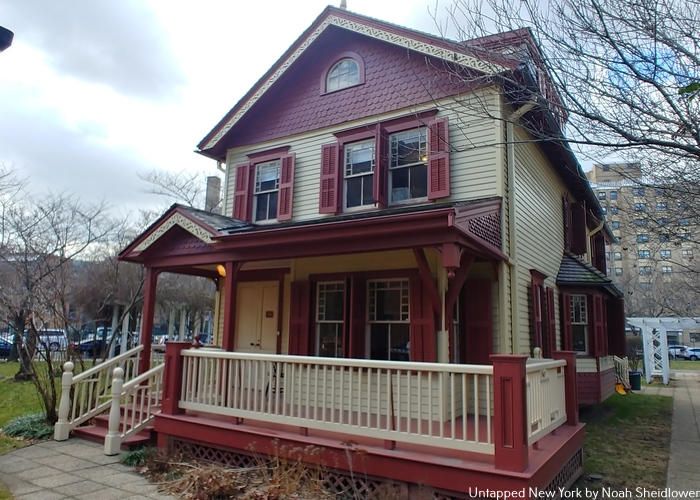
[183, 324]
[228, 340]
[150, 281]
[570, 391]
[510, 411]
[172, 377]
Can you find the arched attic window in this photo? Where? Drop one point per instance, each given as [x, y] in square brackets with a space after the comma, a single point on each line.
[346, 72]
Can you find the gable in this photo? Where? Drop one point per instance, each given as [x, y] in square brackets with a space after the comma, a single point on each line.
[395, 78]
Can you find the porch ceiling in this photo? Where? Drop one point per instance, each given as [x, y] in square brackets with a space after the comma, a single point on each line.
[474, 226]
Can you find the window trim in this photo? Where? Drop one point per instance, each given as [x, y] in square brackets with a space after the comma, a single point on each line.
[587, 309]
[339, 57]
[390, 169]
[369, 322]
[317, 321]
[255, 193]
[345, 177]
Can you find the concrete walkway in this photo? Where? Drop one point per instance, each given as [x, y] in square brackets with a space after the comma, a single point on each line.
[684, 462]
[71, 469]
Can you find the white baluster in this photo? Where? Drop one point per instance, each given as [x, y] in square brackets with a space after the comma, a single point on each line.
[113, 438]
[62, 428]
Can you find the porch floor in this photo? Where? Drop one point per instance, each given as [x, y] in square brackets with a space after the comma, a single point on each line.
[441, 468]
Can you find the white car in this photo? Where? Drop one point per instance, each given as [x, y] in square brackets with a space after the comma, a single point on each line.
[692, 353]
[676, 351]
[52, 339]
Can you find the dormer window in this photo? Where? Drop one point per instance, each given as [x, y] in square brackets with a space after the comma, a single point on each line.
[345, 73]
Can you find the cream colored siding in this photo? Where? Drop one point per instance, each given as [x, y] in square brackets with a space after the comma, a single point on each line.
[539, 225]
[472, 139]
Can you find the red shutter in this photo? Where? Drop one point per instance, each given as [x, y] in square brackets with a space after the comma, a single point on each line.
[567, 222]
[438, 159]
[286, 193]
[599, 343]
[358, 319]
[616, 327]
[551, 323]
[565, 321]
[579, 232]
[478, 320]
[422, 330]
[241, 193]
[381, 169]
[536, 315]
[329, 199]
[300, 318]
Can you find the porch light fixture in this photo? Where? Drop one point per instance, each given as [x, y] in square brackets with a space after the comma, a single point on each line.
[221, 270]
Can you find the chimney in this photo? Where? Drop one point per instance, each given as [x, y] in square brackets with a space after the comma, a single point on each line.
[343, 4]
[212, 199]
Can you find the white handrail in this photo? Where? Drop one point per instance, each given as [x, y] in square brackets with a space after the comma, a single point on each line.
[443, 405]
[85, 395]
[134, 405]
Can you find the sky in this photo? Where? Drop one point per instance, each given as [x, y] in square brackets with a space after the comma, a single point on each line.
[94, 93]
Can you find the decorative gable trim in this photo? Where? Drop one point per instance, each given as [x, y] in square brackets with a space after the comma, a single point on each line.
[414, 44]
[175, 219]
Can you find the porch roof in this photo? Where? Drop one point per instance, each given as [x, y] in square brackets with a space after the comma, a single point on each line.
[574, 272]
[212, 238]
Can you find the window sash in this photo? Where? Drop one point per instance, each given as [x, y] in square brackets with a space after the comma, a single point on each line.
[323, 318]
[267, 168]
[400, 286]
[344, 73]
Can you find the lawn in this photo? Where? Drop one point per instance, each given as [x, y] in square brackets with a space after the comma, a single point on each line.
[627, 442]
[18, 398]
[680, 364]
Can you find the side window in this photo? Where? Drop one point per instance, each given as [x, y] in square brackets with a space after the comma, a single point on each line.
[579, 323]
[267, 181]
[330, 316]
[408, 167]
[388, 315]
[358, 167]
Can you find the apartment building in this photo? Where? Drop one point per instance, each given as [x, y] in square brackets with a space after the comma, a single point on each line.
[654, 255]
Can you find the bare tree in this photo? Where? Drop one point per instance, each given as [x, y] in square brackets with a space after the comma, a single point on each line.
[177, 187]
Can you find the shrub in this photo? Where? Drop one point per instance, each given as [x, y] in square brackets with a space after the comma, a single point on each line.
[32, 426]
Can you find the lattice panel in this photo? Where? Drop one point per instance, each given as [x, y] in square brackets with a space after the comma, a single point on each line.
[487, 227]
[202, 453]
[568, 474]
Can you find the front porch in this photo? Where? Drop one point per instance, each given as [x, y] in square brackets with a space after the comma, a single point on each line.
[509, 425]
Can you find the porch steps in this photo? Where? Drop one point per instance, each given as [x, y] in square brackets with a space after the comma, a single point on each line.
[97, 431]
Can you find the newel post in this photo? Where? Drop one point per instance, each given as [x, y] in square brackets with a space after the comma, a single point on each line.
[62, 428]
[570, 383]
[510, 411]
[113, 439]
[172, 378]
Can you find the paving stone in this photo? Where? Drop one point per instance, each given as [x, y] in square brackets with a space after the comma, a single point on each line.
[66, 463]
[79, 488]
[130, 482]
[11, 464]
[41, 495]
[37, 473]
[56, 480]
[105, 494]
[139, 487]
[19, 486]
[122, 468]
[33, 452]
[96, 473]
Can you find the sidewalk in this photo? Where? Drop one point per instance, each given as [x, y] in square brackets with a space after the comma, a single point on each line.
[684, 461]
[71, 469]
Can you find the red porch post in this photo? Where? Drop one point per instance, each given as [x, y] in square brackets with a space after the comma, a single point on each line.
[229, 304]
[172, 378]
[510, 411]
[150, 281]
[569, 385]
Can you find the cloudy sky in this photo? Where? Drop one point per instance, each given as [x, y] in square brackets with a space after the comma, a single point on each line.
[95, 92]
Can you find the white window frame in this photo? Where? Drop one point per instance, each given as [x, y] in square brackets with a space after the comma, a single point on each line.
[424, 161]
[342, 78]
[340, 324]
[666, 269]
[665, 253]
[583, 320]
[347, 148]
[405, 313]
[257, 191]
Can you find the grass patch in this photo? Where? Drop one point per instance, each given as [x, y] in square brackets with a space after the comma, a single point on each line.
[682, 364]
[627, 442]
[18, 398]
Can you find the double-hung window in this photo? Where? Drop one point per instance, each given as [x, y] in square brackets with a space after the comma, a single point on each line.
[267, 183]
[330, 318]
[408, 167]
[388, 315]
[359, 166]
[579, 323]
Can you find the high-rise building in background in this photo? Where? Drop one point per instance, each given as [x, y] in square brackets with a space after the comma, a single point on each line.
[654, 255]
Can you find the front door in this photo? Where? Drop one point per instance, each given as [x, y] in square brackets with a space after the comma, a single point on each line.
[257, 309]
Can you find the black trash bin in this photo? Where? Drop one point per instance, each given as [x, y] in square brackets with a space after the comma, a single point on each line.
[636, 381]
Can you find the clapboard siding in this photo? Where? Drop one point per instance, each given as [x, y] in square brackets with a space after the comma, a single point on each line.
[472, 138]
[539, 226]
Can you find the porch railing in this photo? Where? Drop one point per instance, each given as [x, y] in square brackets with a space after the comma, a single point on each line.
[444, 405]
[622, 371]
[546, 402]
[88, 394]
[134, 405]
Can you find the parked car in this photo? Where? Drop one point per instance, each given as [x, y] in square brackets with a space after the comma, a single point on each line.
[5, 348]
[676, 351]
[96, 342]
[692, 353]
[52, 339]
